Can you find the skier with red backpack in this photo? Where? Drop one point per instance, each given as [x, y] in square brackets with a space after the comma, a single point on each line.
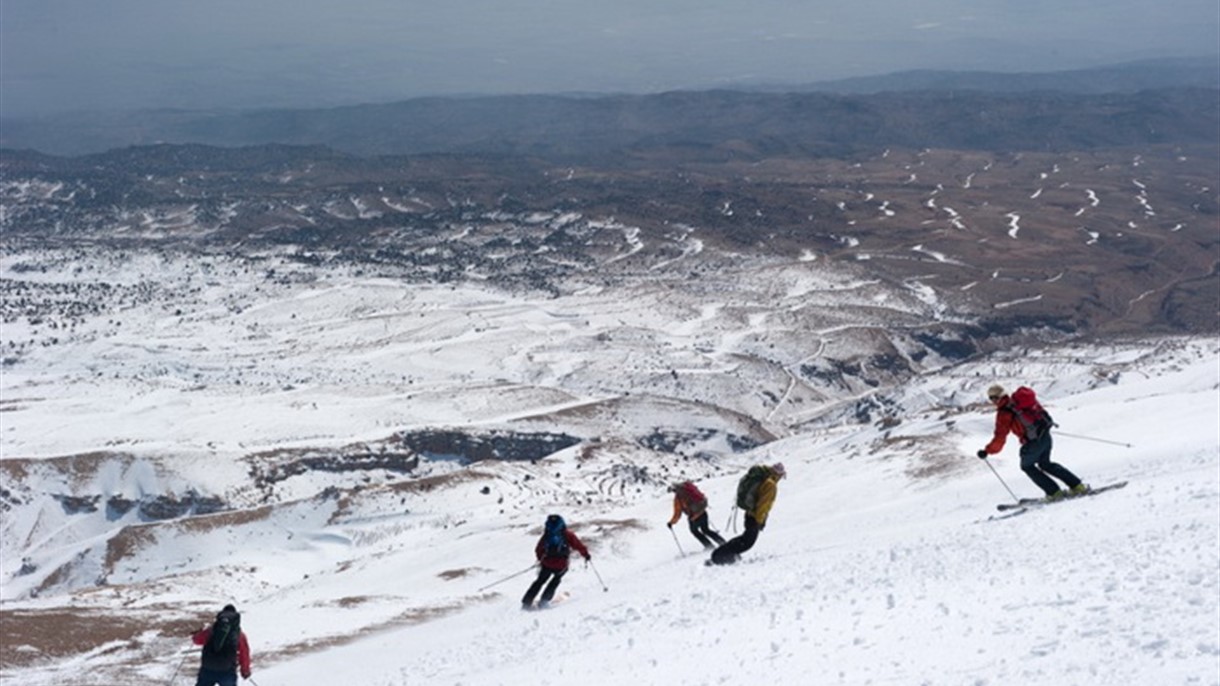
[689, 500]
[225, 649]
[1023, 416]
[553, 550]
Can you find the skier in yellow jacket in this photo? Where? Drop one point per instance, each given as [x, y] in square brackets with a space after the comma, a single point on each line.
[758, 499]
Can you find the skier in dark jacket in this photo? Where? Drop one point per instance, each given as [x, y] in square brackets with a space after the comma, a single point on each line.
[695, 509]
[218, 667]
[553, 550]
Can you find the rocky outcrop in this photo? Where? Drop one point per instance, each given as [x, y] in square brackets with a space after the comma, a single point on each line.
[493, 445]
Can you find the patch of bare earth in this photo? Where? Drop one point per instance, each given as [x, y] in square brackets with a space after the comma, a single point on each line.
[30, 637]
[130, 638]
[926, 457]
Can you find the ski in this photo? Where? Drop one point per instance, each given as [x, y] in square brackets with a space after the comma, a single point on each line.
[1023, 502]
[1026, 503]
[559, 599]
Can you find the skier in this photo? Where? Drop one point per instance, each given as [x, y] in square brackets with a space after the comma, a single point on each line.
[1031, 424]
[224, 650]
[688, 499]
[553, 550]
[755, 494]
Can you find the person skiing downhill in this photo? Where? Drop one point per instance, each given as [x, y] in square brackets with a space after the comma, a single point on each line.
[221, 658]
[760, 500]
[690, 501]
[1036, 451]
[552, 551]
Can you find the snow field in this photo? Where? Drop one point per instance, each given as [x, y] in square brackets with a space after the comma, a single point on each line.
[867, 579]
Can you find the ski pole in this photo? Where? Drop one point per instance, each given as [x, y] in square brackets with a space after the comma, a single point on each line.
[1090, 438]
[731, 525]
[680, 550]
[599, 576]
[182, 662]
[997, 475]
[510, 576]
[179, 667]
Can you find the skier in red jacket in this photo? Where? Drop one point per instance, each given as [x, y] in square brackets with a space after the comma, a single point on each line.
[690, 500]
[553, 550]
[221, 658]
[1035, 445]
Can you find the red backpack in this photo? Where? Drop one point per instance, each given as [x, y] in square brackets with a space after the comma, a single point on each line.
[1033, 417]
[693, 500]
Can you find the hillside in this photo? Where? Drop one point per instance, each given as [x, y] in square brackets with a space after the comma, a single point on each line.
[337, 366]
[615, 128]
[882, 550]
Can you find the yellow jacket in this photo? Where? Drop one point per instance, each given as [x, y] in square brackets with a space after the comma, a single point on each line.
[766, 498]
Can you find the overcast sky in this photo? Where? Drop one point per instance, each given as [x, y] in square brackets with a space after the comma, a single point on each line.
[119, 54]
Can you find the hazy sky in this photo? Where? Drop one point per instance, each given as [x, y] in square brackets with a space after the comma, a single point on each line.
[89, 54]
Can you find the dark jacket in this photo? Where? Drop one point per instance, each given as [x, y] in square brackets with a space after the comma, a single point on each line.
[242, 658]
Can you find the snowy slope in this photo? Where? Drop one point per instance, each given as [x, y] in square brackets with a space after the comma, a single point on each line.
[864, 576]
[879, 564]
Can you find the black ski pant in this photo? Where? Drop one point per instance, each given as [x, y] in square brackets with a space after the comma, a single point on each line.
[1037, 465]
[216, 677]
[728, 553]
[544, 574]
[702, 531]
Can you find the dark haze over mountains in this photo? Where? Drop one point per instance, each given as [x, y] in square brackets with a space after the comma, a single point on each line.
[1084, 109]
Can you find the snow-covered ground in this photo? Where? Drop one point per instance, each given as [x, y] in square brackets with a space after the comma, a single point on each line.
[863, 575]
[879, 565]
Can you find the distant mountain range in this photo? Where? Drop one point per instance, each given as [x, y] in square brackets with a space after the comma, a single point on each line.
[1167, 101]
[1199, 72]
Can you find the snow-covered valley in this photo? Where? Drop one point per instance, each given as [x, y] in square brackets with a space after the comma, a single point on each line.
[308, 449]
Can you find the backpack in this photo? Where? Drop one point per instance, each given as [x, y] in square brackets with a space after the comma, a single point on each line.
[747, 487]
[693, 500]
[1034, 418]
[222, 644]
[555, 540]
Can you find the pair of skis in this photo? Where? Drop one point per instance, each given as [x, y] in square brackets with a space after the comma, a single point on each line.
[559, 599]
[1026, 504]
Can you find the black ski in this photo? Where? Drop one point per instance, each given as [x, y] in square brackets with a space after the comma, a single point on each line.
[1026, 503]
[1022, 503]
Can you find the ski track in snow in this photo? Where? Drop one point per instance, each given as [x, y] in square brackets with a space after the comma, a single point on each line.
[862, 575]
[878, 594]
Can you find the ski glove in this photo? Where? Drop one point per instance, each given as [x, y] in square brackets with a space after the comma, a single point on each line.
[982, 454]
[669, 524]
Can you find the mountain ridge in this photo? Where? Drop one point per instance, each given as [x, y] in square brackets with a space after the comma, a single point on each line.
[1145, 102]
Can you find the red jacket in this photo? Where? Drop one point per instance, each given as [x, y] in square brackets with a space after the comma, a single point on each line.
[243, 648]
[559, 563]
[1005, 421]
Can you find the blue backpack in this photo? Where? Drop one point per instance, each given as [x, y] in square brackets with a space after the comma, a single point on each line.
[555, 541]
